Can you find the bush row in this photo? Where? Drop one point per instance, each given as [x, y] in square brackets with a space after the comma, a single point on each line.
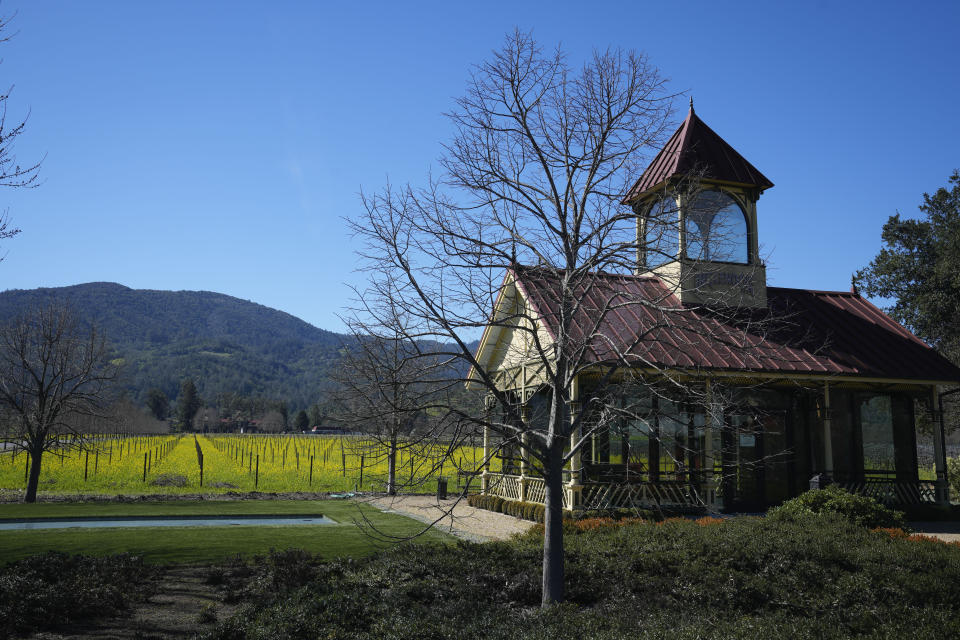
[823, 578]
[535, 512]
[526, 510]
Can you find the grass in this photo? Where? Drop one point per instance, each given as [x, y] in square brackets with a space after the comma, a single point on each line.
[207, 544]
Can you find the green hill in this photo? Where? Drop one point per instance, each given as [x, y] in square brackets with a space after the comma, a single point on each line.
[224, 343]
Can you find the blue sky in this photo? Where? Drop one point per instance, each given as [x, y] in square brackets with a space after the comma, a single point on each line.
[217, 146]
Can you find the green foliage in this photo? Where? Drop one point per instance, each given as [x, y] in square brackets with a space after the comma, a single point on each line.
[158, 403]
[302, 421]
[226, 345]
[188, 403]
[918, 267]
[744, 578]
[859, 510]
[54, 589]
[953, 472]
[526, 510]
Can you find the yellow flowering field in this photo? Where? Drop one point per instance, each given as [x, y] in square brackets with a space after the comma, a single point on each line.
[249, 462]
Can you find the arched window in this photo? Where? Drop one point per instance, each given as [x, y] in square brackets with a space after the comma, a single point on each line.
[662, 241]
[716, 229]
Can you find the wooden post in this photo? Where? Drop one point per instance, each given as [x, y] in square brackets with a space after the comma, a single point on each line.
[827, 434]
[256, 479]
[144, 466]
[86, 464]
[361, 471]
[939, 448]
[574, 488]
[310, 483]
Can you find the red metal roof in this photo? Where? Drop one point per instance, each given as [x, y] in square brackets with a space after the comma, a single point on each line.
[801, 331]
[694, 148]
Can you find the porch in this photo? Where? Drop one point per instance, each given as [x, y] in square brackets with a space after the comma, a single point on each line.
[762, 447]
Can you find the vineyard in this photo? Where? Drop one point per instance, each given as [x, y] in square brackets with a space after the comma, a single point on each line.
[222, 463]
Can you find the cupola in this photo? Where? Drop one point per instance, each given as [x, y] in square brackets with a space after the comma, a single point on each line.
[696, 208]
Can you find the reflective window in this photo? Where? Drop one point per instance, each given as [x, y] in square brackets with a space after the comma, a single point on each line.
[876, 422]
[662, 242]
[716, 229]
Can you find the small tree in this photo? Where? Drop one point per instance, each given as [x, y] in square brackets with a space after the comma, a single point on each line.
[53, 375]
[188, 403]
[301, 421]
[394, 389]
[316, 414]
[158, 403]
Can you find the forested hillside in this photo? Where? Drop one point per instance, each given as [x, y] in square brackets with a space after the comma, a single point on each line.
[225, 344]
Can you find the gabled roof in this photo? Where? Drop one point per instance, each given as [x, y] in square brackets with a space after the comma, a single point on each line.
[801, 331]
[696, 148]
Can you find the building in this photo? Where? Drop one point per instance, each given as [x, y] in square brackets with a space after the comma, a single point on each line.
[742, 394]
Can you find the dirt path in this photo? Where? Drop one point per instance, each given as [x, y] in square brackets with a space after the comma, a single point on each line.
[183, 606]
[454, 517]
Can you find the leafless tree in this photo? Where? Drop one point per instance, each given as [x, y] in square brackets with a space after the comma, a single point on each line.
[53, 374]
[536, 174]
[271, 422]
[12, 173]
[394, 389]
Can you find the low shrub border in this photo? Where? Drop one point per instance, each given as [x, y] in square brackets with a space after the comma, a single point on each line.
[535, 512]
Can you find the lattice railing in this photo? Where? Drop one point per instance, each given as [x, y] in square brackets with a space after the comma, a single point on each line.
[644, 495]
[536, 490]
[606, 495]
[505, 486]
[893, 492]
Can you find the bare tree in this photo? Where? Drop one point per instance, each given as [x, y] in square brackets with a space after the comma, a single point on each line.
[12, 173]
[395, 390]
[535, 174]
[53, 374]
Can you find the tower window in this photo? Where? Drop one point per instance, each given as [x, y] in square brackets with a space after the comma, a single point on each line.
[716, 229]
[662, 241]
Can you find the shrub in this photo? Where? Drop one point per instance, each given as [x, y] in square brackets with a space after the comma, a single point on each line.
[526, 510]
[860, 510]
[56, 589]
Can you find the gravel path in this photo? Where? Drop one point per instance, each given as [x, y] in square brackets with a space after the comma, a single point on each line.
[454, 517]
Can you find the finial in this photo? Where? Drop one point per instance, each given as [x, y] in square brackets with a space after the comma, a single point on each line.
[691, 104]
[853, 285]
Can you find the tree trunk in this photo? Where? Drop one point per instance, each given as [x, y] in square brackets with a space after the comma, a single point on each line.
[392, 468]
[33, 481]
[553, 528]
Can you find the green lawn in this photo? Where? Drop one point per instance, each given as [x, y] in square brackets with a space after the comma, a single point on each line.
[206, 544]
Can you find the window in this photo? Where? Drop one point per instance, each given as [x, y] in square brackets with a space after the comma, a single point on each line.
[876, 423]
[662, 241]
[716, 229]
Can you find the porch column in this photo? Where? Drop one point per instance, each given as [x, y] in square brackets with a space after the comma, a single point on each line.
[827, 434]
[484, 479]
[574, 488]
[524, 441]
[939, 447]
[708, 463]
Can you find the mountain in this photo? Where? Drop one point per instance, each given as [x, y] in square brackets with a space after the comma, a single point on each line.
[225, 344]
